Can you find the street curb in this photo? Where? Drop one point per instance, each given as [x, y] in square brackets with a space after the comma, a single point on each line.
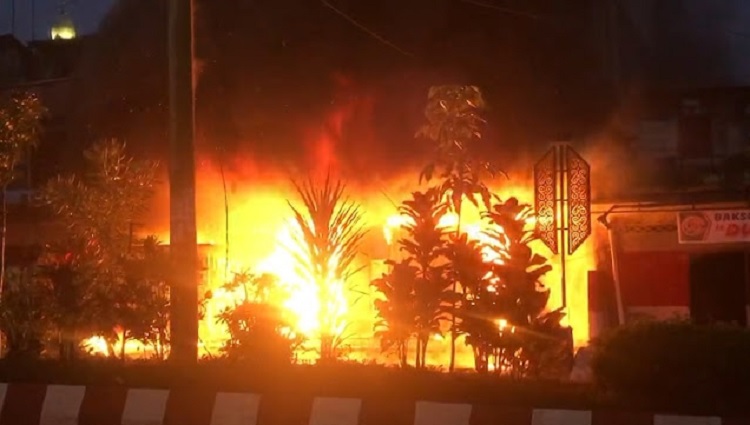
[98, 405]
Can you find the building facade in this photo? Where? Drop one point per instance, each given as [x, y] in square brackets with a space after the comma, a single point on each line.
[674, 238]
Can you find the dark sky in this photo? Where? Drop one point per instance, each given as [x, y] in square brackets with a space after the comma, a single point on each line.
[86, 15]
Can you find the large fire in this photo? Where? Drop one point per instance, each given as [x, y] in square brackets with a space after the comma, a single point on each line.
[259, 235]
[263, 239]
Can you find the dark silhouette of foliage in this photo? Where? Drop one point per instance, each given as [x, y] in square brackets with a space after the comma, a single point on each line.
[468, 267]
[93, 268]
[504, 315]
[258, 330]
[143, 307]
[675, 365]
[330, 232]
[101, 206]
[424, 246]
[519, 269]
[71, 286]
[455, 126]
[25, 316]
[397, 309]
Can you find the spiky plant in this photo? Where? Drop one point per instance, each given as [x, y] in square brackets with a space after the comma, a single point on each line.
[331, 228]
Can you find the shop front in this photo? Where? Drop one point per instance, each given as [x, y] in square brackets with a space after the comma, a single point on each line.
[678, 262]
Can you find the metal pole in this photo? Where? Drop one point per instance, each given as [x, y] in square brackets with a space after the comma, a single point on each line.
[183, 239]
[614, 250]
[33, 20]
[13, 17]
[562, 196]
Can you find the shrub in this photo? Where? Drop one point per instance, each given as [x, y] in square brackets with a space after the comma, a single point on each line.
[675, 365]
[258, 330]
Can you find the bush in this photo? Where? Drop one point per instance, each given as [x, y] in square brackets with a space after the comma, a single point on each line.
[676, 366]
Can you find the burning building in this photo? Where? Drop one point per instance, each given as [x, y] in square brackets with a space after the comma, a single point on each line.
[253, 229]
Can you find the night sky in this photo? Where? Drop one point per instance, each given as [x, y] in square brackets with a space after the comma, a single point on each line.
[85, 13]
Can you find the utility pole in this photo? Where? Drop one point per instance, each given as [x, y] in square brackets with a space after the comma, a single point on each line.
[33, 20]
[182, 232]
[13, 17]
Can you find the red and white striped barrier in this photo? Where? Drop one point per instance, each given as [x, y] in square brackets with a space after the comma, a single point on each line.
[27, 404]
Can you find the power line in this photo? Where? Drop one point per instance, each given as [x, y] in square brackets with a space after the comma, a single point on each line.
[362, 27]
[503, 9]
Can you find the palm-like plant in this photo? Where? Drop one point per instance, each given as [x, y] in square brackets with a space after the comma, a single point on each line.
[425, 245]
[397, 310]
[454, 124]
[331, 229]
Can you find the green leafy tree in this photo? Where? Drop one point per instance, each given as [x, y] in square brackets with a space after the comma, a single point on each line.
[330, 232]
[258, 330]
[424, 246]
[98, 210]
[397, 308]
[454, 124]
[20, 128]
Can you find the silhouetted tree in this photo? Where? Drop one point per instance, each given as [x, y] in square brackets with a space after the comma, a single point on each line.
[398, 309]
[455, 126]
[143, 307]
[98, 210]
[507, 316]
[424, 245]
[26, 316]
[468, 266]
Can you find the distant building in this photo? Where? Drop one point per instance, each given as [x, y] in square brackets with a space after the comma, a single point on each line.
[15, 61]
[44, 67]
[677, 238]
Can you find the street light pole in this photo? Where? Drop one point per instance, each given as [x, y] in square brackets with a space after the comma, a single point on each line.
[183, 235]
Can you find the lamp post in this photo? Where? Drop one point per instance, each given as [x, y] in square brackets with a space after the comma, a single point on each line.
[183, 235]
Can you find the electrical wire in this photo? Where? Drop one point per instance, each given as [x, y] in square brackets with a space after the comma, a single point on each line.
[362, 27]
[503, 9]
